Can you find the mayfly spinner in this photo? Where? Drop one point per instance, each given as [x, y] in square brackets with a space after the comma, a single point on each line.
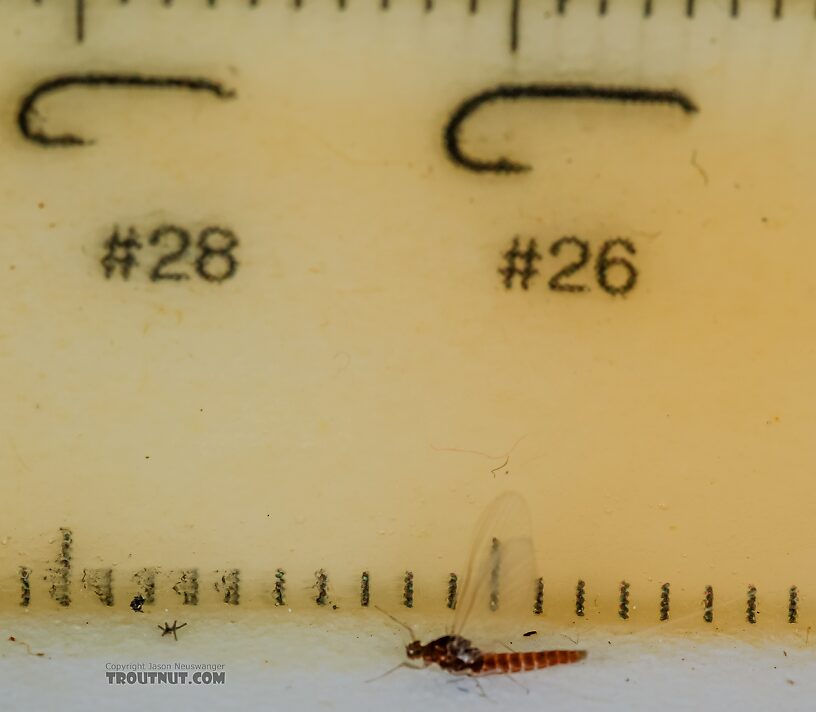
[453, 652]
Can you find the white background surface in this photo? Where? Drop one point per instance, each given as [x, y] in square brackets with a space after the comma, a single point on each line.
[296, 664]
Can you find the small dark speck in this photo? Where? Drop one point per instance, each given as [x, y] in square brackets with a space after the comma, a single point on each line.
[147, 457]
[785, 653]
[334, 607]
[627, 679]
[12, 267]
[530, 632]
[790, 682]
[764, 220]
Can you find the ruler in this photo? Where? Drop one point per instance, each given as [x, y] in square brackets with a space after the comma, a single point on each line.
[293, 290]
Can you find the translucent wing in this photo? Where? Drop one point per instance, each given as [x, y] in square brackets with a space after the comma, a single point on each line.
[499, 581]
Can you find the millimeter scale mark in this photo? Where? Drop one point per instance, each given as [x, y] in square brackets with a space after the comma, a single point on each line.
[100, 583]
[472, 7]
[79, 14]
[515, 18]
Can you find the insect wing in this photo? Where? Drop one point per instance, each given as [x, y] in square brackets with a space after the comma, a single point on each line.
[499, 581]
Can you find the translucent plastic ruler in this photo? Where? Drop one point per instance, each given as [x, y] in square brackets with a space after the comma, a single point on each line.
[291, 291]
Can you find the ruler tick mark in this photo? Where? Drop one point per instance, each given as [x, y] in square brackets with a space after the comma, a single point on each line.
[145, 580]
[751, 610]
[665, 591]
[408, 590]
[229, 585]
[79, 16]
[793, 604]
[453, 591]
[280, 587]
[322, 585]
[61, 574]
[100, 581]
[187, 587]
[495, 567]
[580, 598]
[515, 18]
[365, 591]
[708, 605]
[25, 586]
[538, 606]
[623, 601]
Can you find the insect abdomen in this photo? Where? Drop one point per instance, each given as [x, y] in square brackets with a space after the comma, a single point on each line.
[493, 663]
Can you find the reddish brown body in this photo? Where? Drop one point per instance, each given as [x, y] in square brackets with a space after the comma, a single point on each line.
[496, 663]
[458, 656]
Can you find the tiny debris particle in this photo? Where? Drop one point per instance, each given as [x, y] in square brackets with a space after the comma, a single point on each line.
[699, 168]
[12, 639]
[530, 632]
[790, 682]
[166, 629]
[137, 603]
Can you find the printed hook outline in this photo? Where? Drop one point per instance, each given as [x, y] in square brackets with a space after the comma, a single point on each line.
[28, 105]
[516, 92]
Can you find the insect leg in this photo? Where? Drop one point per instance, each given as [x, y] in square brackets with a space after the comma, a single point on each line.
[395, 668]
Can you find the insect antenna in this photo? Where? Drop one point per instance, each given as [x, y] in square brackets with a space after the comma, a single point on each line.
[399, 622]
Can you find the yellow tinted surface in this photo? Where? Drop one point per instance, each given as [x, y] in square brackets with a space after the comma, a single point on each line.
[364, 384]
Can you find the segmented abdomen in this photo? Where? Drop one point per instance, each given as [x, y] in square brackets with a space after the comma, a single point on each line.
[495, 663]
